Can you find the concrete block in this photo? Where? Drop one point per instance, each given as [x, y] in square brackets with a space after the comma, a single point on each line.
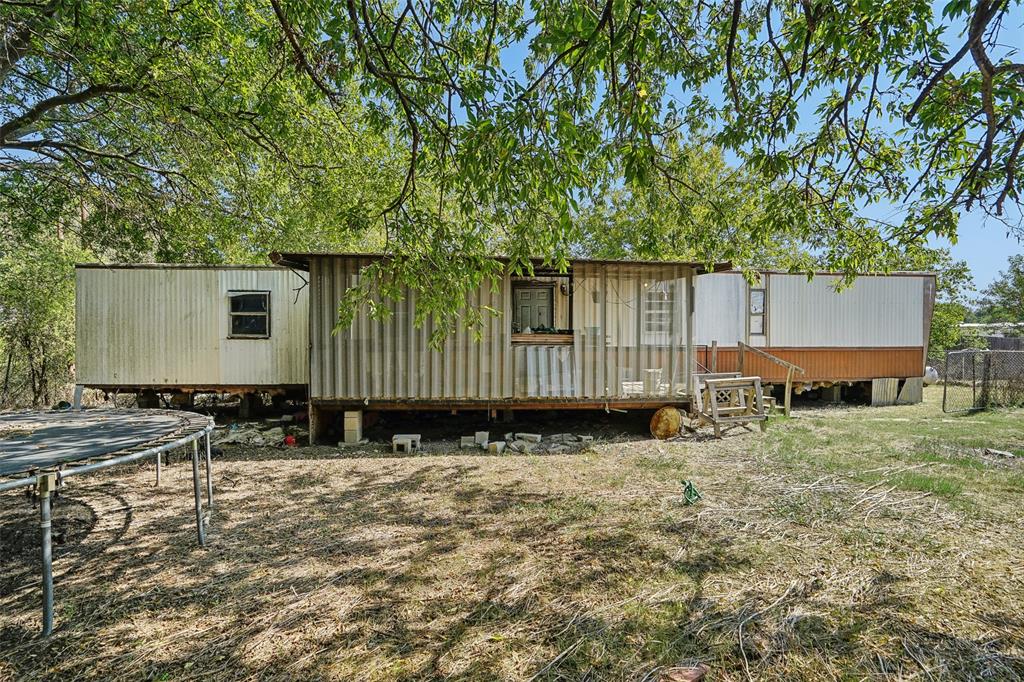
[482, 437]
[586, 439]
[468, 442]
[353, 422]
[496, 447]
[401, 445]
[509, 437]
[519, 446]
[529, 437]
[413, 440]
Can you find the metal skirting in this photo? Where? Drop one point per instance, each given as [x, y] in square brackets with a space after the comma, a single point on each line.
[824, 364]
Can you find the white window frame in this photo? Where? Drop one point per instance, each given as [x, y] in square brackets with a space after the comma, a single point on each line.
[234, 293]
[664, 307]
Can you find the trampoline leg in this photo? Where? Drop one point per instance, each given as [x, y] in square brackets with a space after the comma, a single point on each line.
[209, 474]
[199, 497]
[46, 484]
[159, 456]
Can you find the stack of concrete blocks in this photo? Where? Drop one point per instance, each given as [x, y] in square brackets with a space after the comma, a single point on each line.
[405, 443]
[524, 441]
[353, 426]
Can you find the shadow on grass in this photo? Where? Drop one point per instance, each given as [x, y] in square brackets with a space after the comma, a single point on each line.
[398, 571]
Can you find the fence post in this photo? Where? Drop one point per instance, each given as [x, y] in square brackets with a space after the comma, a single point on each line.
[986, 379]
[945, 384]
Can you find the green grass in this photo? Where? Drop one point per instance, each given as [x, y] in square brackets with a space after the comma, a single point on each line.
[915, 448]
[943, 486]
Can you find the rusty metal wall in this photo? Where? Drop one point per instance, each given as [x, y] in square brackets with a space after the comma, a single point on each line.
[391, 358]
[168, 326]
[543, 371]
[824, 364]
[614, 355]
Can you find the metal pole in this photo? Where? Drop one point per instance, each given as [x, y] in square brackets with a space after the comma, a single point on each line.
[198, 493]
[46, 484]
[209, 474]
[158, 466]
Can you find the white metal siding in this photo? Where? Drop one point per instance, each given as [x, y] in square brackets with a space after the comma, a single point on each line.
[721, 309]
[169, 326]
[875, 311]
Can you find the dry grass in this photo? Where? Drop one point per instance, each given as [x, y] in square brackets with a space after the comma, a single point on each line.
[847, 543]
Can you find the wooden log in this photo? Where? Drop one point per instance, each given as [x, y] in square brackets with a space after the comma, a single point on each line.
[666, 423]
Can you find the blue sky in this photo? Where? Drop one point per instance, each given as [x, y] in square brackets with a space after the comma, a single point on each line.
[984, 245]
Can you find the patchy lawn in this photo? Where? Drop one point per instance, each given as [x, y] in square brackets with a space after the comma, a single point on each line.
[845, 543]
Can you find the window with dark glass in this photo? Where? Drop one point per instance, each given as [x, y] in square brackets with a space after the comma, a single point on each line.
[249, 314]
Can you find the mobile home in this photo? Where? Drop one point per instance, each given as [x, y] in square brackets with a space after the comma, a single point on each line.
[873, 331]
[604, 334]
[170, 328]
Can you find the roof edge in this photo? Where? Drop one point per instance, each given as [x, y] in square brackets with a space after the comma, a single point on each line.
[300, 260]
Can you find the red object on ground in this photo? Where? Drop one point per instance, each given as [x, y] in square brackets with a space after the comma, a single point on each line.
[290, 441]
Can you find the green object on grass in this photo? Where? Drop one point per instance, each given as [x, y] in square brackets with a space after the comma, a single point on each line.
[690, 493]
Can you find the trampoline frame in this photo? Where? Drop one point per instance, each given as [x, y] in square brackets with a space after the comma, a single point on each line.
[48, 480]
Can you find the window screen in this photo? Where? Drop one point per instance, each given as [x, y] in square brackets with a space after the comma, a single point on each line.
[249, 314]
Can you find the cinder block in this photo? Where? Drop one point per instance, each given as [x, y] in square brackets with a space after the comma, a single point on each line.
[412, 438]
[401, 445]
[496, 447]
[482, 437]
[510, 436]
[353, 426]
[529, 437]
[468, 442]
[586, 439]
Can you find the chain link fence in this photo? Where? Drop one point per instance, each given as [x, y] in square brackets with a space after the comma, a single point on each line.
[978, 379]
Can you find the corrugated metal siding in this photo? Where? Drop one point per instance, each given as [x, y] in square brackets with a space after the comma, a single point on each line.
[619, 354]
[824, 364]
[169, 326]
[873, 311]
[614, 354]
[544, 371]
[392, 359]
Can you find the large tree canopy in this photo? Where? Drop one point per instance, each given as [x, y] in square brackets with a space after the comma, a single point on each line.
[515, 106]
[177, 130]
[448, 130]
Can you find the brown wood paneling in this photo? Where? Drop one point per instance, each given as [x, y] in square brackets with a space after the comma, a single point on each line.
[824, 364]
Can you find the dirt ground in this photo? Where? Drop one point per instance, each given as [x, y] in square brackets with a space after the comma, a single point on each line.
[847, 542]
